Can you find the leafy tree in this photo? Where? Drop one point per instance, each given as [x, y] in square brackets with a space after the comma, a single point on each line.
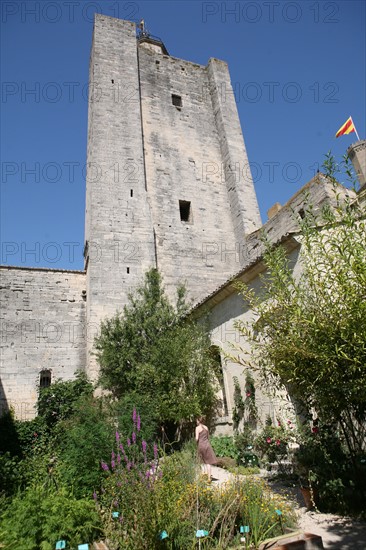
[310, 333]
[156, 350]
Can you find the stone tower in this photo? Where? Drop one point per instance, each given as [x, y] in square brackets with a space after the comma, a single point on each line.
[168, 180]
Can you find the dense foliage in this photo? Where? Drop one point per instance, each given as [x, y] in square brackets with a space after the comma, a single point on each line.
[57, 401]
[310, 334]
[40, 516]
[155, 349]
[100, 473]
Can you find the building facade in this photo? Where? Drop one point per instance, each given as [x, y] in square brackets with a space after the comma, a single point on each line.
[168, 186]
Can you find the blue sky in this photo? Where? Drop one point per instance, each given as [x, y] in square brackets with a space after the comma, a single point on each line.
[297, 68]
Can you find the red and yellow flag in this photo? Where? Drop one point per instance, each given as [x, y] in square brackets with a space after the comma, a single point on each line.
[347, 128]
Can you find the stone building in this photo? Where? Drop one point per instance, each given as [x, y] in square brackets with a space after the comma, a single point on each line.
[225, 306]
[168, 185]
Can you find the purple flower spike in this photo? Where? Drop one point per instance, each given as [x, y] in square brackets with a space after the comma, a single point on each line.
[144, 447]
[129, 466]
[133, 437]
[128, 442]
[104, 466]
[117, 437]
[134, 416]
[148, 473]
[138, 423]
[113, 464]
[113, 456]
[155, 451]
[120, 519]
[122, 449]
[115, 503]
[95, 496]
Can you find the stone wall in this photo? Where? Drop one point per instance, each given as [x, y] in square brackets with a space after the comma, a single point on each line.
[42, 327]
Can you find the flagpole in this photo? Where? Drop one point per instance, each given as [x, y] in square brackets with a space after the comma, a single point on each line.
[358, 137]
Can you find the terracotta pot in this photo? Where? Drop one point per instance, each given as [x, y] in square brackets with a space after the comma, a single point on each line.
[310, 497]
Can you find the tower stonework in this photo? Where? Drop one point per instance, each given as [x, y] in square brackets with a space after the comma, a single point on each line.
[168, 181]
[357, 154]
[119, 236]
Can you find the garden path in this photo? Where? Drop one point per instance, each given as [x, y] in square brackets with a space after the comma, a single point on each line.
[337, 532]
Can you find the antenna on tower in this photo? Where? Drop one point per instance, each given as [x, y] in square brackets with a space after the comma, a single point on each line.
[143, 35]
[142, 27]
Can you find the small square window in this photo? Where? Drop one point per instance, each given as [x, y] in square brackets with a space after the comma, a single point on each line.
[185, 211]
[176, 100]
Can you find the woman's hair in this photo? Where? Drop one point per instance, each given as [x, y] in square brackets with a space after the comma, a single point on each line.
[201, 418]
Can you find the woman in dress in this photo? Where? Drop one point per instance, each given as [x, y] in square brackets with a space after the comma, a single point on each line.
[205, 451]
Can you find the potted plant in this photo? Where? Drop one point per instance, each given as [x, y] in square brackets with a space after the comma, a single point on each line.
[306, 466]
[309, 490]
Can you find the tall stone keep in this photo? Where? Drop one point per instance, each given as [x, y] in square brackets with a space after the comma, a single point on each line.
[168, 179]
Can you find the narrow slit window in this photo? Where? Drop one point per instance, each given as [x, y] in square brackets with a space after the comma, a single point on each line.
[131, 193]
[45, 379]
[177, 100]
[128, 270]
[185, 211]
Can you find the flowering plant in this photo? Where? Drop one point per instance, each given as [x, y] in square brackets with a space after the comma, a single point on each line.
[272, 443]
[127, 501]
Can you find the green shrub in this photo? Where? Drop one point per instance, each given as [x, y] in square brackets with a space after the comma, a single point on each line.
[57, 402]
[37, 518]
[238, 448]
[20, 440]
[224, 446]
[11, 477]
[81, 442]
[322, 461]
[272, 443]
[244, 443]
